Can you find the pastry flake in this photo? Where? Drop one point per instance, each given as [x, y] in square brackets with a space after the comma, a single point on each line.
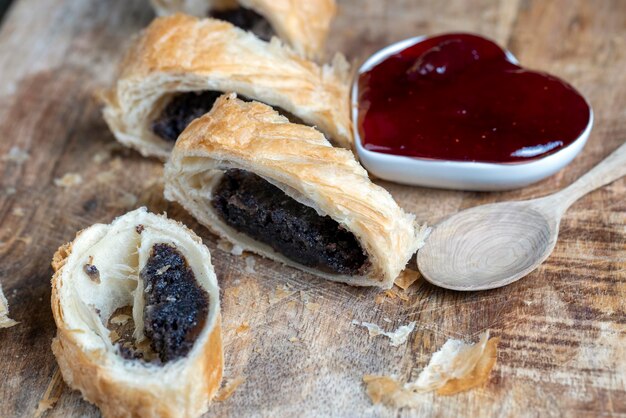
[456, 367]
[396, 338]
[406, 278]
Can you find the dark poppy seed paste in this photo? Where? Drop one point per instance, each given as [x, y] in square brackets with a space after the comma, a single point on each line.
[183, 108]
[176, 306]
[181, 111]
[252, 205]
[246, 19]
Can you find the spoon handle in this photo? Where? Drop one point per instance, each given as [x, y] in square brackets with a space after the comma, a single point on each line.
[610, 169]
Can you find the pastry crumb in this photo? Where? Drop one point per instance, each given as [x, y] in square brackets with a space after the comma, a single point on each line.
[280, 292]
[44, 405]
[68, 180]
[235, 293]
[106, 177]
[386, 390]
[397, 337]
[229, 388]
[114, 336]
[16, 155]
[406, 278]
[120, 319]
[162, 270]
[5, 321]
[456, 367]
[403, 297]
[229, 247]
[250, 262]
[224, 245]
[308, 304]
[100, 157]
[236, 250]
[117, 163]
[391, 294]
[243, 327]
[106, 153]
[126, 200]
[51, 396]
[18, 211]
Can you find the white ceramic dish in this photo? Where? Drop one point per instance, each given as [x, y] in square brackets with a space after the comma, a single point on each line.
[461, 175]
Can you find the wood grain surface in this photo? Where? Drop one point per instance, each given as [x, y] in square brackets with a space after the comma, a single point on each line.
[562, 329]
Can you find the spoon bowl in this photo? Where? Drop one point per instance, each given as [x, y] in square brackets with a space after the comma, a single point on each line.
[499, 243]
[490, 246]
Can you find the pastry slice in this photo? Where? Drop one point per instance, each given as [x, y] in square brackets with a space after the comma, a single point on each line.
[181, 64]
[281, 190]
[302, 24]
[136, 304]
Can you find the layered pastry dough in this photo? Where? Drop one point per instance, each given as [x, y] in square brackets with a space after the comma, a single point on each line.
[136, 304]
[302, 24]
[281, 190]
[180, 54]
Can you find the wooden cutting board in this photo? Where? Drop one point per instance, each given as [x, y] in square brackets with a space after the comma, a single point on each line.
[562, 329]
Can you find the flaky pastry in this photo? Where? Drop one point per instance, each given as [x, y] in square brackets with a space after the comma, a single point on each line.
[136, 304]
[302, 24]
[180, 54]
[281, 190]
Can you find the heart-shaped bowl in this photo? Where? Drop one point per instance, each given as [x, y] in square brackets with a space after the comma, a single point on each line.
[459, 175]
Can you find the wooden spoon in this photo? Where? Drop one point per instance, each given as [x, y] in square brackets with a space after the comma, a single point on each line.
[490, 246]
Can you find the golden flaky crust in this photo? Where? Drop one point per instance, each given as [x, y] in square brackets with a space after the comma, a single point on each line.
[119, 387]
[300, 161]
[302, 24]
[182, 53]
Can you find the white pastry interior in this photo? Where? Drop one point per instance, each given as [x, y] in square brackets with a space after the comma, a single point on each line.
[105, 273]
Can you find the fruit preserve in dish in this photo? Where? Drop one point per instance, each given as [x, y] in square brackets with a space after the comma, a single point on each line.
[459, 97]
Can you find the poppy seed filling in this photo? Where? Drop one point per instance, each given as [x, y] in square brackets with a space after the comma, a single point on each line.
[246, 19]
[181, 111]
[176, 306]
[253, 206]
[183, 108]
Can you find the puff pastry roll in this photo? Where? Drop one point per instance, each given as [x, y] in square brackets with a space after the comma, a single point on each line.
[302, 24]
[181, 64]
[137, 309]
[281, 190]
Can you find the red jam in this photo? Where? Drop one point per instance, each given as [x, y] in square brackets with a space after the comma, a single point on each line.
[457, 97]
